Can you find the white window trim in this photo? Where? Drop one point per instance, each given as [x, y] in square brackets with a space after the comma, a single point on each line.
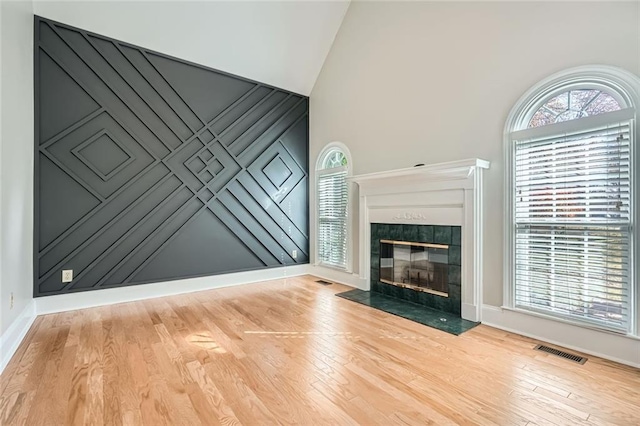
[623, 85]
[318, 171]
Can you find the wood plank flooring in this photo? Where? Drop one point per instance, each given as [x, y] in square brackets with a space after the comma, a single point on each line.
[290, 352]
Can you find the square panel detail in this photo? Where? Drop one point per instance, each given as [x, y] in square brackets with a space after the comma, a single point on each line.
[277, 171]
[103, 154]
[214, 174]
[212, 170]
[215, 167]
[196, 165]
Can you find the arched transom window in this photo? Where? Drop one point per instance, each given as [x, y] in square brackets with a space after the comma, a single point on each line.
[334, 158]
[573, 104]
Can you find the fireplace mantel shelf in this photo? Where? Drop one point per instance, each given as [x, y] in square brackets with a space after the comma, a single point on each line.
[439, 171]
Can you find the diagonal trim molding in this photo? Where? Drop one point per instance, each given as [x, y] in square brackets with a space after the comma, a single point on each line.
[151, 169]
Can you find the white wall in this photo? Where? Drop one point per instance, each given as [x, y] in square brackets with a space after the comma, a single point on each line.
[427, 82]
[280, 43]
[16, 167]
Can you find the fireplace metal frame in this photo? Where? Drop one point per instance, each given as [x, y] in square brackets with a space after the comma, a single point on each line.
[409, 285]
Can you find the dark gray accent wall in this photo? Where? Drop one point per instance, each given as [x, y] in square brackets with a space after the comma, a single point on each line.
[149, 168]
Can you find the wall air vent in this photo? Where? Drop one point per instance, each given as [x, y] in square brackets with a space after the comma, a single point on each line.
[571, 357]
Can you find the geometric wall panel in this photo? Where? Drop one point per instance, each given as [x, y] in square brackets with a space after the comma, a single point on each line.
[150, 168]
[103, 154]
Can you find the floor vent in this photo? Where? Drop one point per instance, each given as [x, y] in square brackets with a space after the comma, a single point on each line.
[571, 357]
[323, 282]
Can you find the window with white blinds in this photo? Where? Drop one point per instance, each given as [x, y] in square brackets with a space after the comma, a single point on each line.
[573, 220]
[333, 200]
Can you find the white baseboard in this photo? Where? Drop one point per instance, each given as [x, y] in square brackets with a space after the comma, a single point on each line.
[13, 336]
[338, 276]
[89, 299]
[603, 344]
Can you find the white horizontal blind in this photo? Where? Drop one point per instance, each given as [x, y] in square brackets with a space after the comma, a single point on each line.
[573, 222]
[332, 217]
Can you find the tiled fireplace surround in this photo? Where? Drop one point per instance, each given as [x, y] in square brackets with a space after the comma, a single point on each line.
[434, 234]
[444, 198]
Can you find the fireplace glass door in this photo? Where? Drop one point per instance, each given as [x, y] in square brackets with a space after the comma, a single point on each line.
[420, 266]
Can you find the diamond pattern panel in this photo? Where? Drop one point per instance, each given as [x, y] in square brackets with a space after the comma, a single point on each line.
[70, 153]
[103, 155]
[180, 170]
[277, 171]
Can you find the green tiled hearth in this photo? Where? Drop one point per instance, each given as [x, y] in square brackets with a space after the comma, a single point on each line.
[452, 323]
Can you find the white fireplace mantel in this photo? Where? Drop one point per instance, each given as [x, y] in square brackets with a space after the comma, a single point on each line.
[435, 194]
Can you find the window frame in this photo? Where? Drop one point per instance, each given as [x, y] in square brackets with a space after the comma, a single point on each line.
[328, 150]
[625, 88]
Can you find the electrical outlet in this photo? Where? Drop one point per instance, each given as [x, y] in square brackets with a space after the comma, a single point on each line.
[11, 301]
[294, 254]
[67, 275]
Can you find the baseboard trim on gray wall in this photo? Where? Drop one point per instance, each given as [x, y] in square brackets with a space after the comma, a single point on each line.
[15, 334]
[83, 300]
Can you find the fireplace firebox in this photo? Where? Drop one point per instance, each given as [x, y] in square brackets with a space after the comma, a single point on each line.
[419, 266]
[418, 263]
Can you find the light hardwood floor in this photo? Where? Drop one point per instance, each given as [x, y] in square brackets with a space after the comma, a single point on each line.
[290, 352]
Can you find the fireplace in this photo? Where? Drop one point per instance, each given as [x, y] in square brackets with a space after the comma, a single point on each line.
[433, 204]
[419, 266]
[418, 263]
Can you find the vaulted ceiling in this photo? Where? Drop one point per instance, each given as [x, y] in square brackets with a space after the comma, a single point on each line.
[280, 43]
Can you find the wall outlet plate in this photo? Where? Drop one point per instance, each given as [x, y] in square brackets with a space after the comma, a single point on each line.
[67, 275]
[294, 254]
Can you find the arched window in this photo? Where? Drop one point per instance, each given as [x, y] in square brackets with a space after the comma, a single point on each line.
[333, 206]
[573, 104]
[571, 198]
